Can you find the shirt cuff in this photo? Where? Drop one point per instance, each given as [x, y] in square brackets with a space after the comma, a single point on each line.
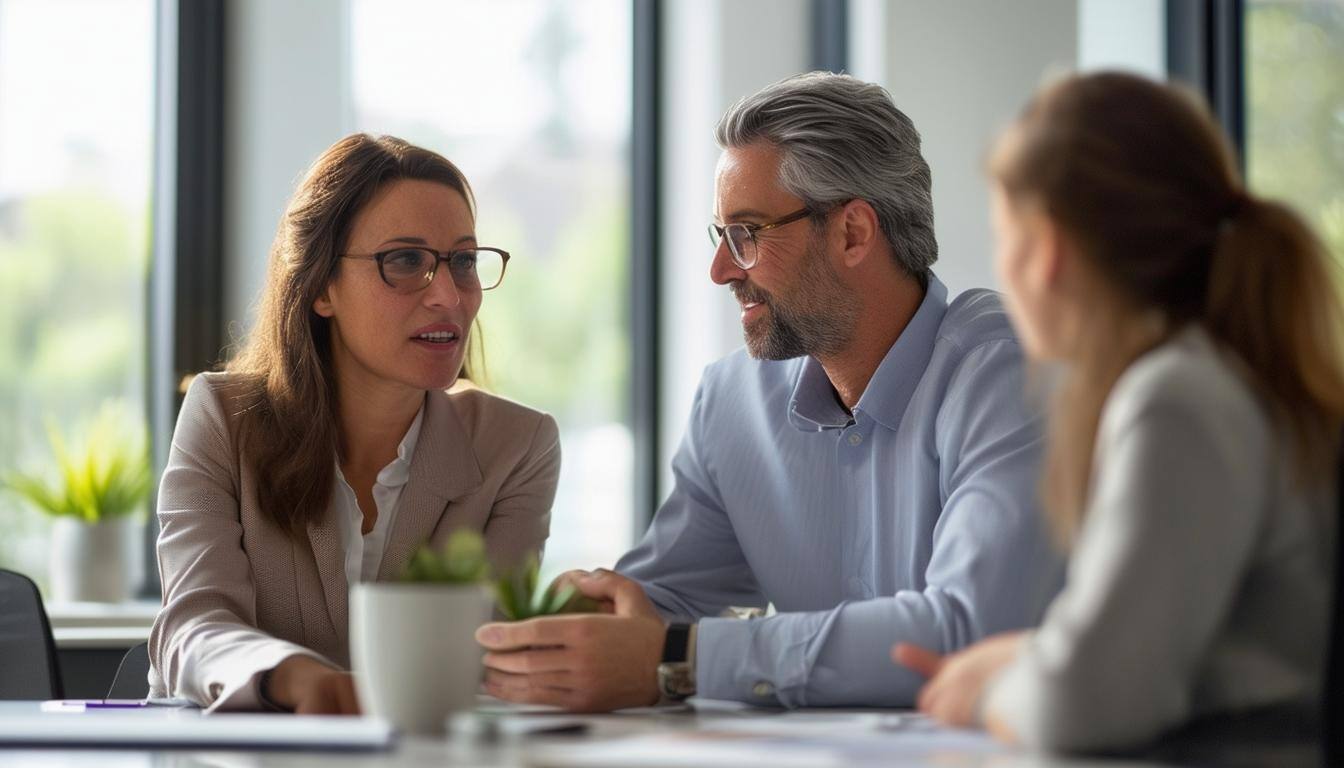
[730, 665]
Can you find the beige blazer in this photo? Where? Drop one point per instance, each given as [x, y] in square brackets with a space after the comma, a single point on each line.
[240, 595]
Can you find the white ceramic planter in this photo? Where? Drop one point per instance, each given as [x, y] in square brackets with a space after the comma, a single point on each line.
[414, 651]
[96, 562]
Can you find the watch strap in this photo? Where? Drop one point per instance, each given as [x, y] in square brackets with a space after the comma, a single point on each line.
[676, 643]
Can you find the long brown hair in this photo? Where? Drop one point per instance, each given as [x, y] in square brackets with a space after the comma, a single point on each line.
[283, 388]
[1140, 177]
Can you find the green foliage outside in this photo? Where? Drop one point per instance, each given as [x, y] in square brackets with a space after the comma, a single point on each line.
[73, 271]
[1295, 109]
[554, 332]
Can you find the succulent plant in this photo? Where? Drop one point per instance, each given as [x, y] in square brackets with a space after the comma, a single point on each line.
[520, 599]
[461, 560]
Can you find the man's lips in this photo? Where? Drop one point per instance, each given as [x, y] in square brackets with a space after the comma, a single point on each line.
[751, 309]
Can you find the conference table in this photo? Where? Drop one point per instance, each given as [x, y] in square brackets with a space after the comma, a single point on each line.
[503, 736]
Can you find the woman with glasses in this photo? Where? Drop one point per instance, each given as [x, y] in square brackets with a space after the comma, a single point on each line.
[1194, 438]
[331, 447]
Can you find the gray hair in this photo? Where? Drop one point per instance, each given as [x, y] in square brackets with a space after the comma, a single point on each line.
[841, 139]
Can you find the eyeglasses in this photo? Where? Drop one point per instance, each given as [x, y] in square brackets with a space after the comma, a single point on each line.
[408, 269]
[742, 237]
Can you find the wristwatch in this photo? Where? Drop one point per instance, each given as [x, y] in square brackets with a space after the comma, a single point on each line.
[676, 673]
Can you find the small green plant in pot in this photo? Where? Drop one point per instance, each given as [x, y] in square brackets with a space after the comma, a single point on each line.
[95, 493]
[412, 640]
[519, 598]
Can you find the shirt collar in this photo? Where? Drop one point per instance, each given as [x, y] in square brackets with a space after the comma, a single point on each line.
[395, 474]
[814, 405]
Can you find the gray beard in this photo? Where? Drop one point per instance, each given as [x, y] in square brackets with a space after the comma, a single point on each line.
[817, 320]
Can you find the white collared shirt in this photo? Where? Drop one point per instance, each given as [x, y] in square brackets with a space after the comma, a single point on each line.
[364, 551]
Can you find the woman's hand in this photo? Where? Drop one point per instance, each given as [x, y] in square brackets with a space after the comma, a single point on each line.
[309, 687]
[957, 681]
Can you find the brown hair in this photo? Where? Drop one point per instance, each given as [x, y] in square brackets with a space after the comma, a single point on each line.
[1140, 177]
[283, 388]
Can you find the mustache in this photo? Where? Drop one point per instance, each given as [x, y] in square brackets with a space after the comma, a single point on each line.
[747, 293]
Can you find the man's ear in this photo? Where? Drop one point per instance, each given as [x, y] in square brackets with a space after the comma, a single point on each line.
[323, 305]
[858, 221]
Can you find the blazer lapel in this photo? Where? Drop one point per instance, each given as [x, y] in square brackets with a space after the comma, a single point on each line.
[443, 468]
[329, 556]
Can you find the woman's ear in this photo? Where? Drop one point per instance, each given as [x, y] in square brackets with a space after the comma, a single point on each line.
[1052, 252]
[323, 305]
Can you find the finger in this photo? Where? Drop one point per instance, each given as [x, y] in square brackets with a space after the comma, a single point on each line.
[514, 635]
[530, 689]
[930, 699]
[625, 595]
[919, 660]
[571, 577]
[529, 662]
[349, 701]
[554, 697]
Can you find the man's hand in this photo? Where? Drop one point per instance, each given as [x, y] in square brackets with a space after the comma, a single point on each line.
[581, 662]
[957, 682]
[310, 687]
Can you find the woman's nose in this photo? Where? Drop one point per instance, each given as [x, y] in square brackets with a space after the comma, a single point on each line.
[442, 291]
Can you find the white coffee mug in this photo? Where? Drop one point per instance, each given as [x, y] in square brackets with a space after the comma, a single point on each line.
[414, 651]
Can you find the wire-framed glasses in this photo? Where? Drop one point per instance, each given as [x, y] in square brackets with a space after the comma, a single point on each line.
[408, 269]
[741, 236]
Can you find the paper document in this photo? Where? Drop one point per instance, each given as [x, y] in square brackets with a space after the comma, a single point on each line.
[28, 724]
[790, 739]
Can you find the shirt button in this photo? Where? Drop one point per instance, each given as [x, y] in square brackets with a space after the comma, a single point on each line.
[855, 438]
[762, 689]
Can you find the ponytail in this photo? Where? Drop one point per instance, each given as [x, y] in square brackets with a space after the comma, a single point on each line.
[1140, 176]
[1273, 299]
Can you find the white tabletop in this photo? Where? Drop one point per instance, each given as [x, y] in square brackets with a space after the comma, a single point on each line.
[658, 737]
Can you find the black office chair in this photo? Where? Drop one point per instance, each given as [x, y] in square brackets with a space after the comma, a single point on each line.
[29, 668]
[132, 679]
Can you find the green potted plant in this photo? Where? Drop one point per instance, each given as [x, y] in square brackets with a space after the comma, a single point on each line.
[412, 641]
[518, 597]
[95, 493]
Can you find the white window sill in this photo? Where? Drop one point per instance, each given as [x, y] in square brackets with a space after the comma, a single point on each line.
[101, 625]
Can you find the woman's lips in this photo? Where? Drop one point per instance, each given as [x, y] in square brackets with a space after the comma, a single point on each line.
[437, 346]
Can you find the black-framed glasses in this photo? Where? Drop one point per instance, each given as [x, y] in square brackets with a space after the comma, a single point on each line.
[741, 237]
[408, 269]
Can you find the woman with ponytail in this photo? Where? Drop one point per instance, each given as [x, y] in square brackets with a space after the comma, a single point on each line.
[1194, 428]
[334, 444]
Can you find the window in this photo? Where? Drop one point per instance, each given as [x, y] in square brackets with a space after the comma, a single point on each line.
[76, 138]
[1295, 109]
[531, 99]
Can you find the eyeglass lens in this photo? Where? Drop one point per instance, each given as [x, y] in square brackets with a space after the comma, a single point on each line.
[410, 269]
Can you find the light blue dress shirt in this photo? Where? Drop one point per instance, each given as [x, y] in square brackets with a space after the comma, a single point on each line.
[915, 520]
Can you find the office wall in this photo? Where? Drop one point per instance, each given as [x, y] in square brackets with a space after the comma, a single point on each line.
[288, 86]
[714, 53]
[961, 69]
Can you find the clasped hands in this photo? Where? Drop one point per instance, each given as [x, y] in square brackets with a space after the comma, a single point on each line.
[580, 662]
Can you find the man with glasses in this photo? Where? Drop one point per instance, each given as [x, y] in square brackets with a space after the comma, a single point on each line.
[867, 466]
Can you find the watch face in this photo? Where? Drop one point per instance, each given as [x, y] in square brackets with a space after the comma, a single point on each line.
[675, 680]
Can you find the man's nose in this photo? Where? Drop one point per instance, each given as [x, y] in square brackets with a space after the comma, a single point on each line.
[722, 268]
